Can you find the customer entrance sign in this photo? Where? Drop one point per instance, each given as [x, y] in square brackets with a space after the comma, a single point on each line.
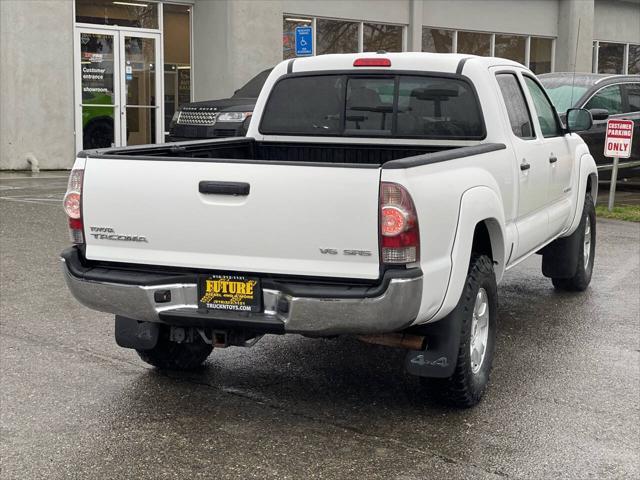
[304, 41]
[618, 140]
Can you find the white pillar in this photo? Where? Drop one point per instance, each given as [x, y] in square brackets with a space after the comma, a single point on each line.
[414, 31]
[575, 36]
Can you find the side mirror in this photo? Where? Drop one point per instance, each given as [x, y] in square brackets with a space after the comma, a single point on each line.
[599, 113]
[578, 120]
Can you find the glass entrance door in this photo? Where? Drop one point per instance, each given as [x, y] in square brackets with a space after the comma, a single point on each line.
[140, 87]
[118, 88]
[97, 89]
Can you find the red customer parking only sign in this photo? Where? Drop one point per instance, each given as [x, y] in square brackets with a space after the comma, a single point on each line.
[618, 140]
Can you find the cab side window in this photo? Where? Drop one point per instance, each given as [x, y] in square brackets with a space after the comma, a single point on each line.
[609, 98]
[519, 116]
[633, 97]
[546, 114]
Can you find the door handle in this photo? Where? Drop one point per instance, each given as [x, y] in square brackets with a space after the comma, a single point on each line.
[224, 188]
[524, 166]
[553, 159]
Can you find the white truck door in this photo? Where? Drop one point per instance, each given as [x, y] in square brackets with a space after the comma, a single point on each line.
[533, 171]
[555, 149]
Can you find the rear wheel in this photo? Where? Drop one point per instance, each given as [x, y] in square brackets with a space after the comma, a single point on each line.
[477, 308]
[586, 251]
[176, 356]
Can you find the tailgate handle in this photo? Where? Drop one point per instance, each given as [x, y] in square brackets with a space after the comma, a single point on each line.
[224, 188]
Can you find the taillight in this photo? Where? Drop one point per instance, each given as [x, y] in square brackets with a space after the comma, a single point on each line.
[372, 62]
[72, 203]
[399, 232]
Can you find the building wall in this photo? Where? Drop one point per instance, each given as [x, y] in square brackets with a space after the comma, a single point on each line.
[235, 40]
[617, 21]
[395, 11]
[210, 50]
[535, 17]
[232, 42]
[36, 75]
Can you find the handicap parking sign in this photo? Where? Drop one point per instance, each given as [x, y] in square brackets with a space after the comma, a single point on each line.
[304, 42]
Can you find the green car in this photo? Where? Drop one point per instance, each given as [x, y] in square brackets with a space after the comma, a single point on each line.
[97, 122]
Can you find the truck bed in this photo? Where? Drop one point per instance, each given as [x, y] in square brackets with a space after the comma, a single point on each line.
[245, 205]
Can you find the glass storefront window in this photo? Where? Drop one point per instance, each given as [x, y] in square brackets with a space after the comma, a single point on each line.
[437, 40]
[474, 43]
[379, 36]
[511, 47]
[177, 59]
[289, 25]
[611, 58]
[128, 13]
[540, 55]
[634, 59]
[335, 36]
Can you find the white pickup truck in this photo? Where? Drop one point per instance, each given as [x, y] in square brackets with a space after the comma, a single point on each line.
[376, 194]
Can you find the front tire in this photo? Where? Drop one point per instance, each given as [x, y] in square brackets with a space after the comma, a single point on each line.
[168, 355]
[477, 309]
[585, 252]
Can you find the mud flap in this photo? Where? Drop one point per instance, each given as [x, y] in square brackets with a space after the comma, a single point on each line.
[439, 358]
[134, 334]
[560, 257]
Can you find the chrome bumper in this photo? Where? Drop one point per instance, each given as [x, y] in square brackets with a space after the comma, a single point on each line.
[396, 308]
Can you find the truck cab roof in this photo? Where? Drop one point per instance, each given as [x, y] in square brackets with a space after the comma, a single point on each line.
[410, 61]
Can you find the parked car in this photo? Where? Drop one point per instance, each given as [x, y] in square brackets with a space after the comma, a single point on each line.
[227, 117]
[377, 195]
[606, 96]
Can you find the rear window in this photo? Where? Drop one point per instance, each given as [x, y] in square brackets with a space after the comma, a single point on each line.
[407, 106]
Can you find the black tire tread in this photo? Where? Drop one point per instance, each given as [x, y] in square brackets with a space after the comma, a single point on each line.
[581, 279]
[458, 389]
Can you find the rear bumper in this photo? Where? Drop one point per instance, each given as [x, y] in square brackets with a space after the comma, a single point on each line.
[319, 310]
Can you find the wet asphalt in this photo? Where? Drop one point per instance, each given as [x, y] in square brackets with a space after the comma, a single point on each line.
[564, 399]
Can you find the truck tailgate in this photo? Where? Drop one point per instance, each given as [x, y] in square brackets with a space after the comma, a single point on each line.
[296, 220]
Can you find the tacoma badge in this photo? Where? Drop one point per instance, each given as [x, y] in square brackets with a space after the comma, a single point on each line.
[108, 233]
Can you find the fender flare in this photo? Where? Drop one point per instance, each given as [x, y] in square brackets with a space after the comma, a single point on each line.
[477, 204]
[587, 175]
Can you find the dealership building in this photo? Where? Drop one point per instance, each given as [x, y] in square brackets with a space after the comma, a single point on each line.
[72, 70]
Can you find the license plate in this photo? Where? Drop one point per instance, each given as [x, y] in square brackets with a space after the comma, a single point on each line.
[229, 292]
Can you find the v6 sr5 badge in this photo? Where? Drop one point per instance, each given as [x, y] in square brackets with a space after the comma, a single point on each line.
[349, 252]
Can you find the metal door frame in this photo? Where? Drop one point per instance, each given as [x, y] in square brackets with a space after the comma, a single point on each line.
[77, 61]
[159, 73]
[119, 83]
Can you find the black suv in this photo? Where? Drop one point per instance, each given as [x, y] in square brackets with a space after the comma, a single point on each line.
[606, 96]
[227, 117]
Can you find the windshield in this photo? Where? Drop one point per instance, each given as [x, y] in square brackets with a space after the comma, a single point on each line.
[252, 88]
[564, 96]
[565, 90]
[374, 105]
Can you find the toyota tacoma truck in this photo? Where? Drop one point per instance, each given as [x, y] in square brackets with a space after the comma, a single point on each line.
[377, 195]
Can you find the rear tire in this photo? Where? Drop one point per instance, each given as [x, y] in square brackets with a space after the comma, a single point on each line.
[168, 355]
[586, 251]
[477, 308]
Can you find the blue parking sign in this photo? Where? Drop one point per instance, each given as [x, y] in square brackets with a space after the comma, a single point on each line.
[304, 41]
